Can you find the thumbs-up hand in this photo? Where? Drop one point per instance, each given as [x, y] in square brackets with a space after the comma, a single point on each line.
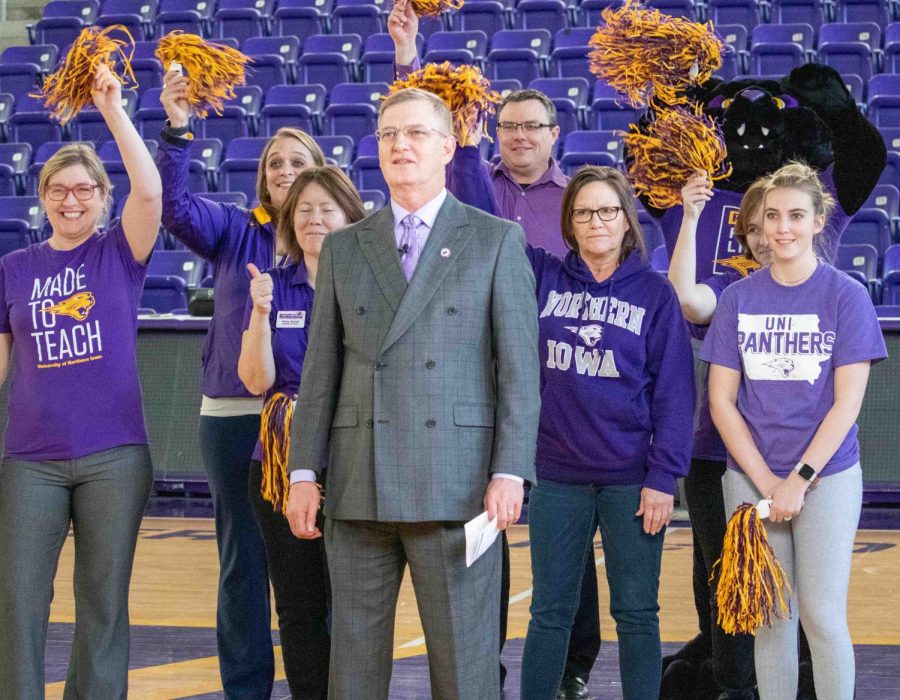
[260, 290]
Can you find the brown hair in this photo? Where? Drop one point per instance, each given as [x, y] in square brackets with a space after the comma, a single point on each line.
[530, 94]
[634, 237]
[751, 202]
[82, 154]
[262, 190]
[331, 179]
[409, 94]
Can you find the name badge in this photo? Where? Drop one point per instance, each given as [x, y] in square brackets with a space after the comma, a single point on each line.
[291, 319]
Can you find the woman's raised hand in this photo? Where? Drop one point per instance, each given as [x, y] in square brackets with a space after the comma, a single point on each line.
[695, 194]
[174, 98]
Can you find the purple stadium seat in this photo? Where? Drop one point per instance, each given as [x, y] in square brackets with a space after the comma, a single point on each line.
[329, 59]
[145, 9]
[44, 56]
[608, 142]
[876, 11]
[31, 123]
[233, 123]
[372, 200]
[18, 79]
[675, 8]
[164, 294]
[366, 175]
[810, 12]
[300, 22]
[473, 41]
[378, 58]
[361, 17]
[150, 117]
[891, 276]
[859, 261]
[110, 150]
[590, 12]
[884, 100]
[353, 109]
[608, 113]
[891, 173]
[178, 263]
[797, 33]
[518, 55]
[238, 23]
[872, 226]
[293, 105]
[27, 209]
[59, 31]
[659, 259]
[133, 23]
[487, 16]
[285, 47]
[187, 21]
[18, 157]
[775, 59]
[85, 10]
[850, 48]
[541, 14]
[891, 57]
[744, 13]
[338, 149]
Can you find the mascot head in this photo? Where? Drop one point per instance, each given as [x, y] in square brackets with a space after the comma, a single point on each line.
[765, 124]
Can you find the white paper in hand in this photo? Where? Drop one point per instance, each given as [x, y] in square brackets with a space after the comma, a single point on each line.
[763, 507]
[480, 535]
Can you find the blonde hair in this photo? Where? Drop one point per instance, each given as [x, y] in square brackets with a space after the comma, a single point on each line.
[262, 189]
[797, 175]
[82, 154]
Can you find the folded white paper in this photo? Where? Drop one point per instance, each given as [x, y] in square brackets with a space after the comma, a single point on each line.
[480, 535]
[763, 507]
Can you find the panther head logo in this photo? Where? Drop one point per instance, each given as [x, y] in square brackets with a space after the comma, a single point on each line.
[785, 365]
[589, 334]
[77, 306]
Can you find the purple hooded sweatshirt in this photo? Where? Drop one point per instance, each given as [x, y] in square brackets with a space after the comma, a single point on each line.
[617, 375]
[229, 237]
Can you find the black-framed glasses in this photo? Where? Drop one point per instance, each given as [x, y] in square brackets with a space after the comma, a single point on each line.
[527, 127]
[584, 216]
[411, 133]
[57, 193]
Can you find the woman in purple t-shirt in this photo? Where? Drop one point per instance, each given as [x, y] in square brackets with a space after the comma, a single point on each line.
[276, 322]
[790, 349]
[75, 447]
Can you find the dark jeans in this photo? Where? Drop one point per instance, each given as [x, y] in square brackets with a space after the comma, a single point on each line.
[246, 659]
[299, 576]
[732, 654]
[562, 522]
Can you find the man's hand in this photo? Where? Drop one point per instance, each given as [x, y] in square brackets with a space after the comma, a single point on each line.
[503, 499]
[403, 26]
[303, 505]
[656, 507]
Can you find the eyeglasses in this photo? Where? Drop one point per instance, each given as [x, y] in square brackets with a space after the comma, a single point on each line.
[527, 127]
[412, 133]
[584, 216]
[57, 193]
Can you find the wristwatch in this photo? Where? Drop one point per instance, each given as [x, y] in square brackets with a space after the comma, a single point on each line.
[806, 472]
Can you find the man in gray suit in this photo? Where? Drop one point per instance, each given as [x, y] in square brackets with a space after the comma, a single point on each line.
[420, 393]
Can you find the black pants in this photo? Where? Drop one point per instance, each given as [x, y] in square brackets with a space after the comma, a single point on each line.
[299, 576]
[732, 655]
[584, 643]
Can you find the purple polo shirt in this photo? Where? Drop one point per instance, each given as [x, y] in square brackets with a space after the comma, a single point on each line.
[292, 301]
[74, 388]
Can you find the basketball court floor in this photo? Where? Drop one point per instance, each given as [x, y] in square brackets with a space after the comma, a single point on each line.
[173, 597]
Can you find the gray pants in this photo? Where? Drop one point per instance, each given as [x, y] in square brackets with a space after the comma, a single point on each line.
[103, 496]
[457, 605]
[815, 550]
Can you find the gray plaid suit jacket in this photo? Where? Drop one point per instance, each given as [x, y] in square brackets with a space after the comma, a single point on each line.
[413, 394]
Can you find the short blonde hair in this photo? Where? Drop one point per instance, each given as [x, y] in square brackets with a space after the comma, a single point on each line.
[82, 154]
[410, 94]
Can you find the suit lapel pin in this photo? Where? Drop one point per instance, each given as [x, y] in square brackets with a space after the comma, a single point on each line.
[445, 252]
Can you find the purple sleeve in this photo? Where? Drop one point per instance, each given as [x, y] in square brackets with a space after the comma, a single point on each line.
[469, 180]
[721, 344]
[402, 70]
[670, 362]
[859, 337]
[202, 225]
[4, 310]
[718, 283]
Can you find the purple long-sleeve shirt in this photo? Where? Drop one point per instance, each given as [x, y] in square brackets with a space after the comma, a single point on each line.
[229, 237]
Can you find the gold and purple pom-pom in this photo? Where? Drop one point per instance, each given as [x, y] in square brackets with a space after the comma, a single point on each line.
[463, 89]
[275, 437]
[68, 89]
[213, 70]
[677, 143]
[650, 56]
[753, 589]
[434, 8]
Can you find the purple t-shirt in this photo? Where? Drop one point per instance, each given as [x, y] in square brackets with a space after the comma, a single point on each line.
[74, 388]
[786, 342]
[292, 301]
[720, 262]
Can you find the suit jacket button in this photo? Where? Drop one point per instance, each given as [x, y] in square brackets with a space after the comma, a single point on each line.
[430, 364]
[430, 423]
[379, 365]
[370, 423]
[360, 310]
[451, 310]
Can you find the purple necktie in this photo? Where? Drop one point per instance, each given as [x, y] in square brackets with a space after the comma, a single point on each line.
[409, 245]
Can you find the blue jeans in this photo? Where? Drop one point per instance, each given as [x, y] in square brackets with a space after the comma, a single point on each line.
[563, 519]
[246, 659]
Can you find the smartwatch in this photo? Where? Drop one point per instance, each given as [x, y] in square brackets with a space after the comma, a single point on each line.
[806, 472]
